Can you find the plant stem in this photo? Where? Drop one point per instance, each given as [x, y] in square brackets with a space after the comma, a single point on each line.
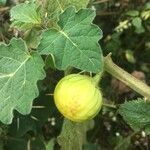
[135, 84]
[97, 77]
[109, 105]
[73, 135]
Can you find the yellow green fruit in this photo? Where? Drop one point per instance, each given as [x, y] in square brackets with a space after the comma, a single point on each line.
[77, 97]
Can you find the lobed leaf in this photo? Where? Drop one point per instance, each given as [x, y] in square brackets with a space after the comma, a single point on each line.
[25, 16]
[19, 73]
[75, 44]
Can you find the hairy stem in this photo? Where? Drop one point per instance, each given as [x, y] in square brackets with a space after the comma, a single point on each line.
[135, 84]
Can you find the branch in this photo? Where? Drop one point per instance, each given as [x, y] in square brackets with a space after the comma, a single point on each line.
[135, 84]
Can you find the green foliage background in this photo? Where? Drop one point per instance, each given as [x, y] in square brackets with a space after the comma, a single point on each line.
[126, 34]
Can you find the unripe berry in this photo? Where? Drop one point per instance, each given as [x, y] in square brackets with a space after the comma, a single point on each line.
[77, 97]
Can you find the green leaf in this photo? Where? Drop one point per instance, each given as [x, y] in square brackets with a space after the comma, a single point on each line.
[113, 44]
[19, 73]
[2, 2]
[32, 38]
[25, 16]
[53, 8]
[73, 135]
[76, 43]
[130, 56]
[137, 114]
[147, 6]
[133, 13]
[137, 23]
[50, 62]
[78, 4]
[51, 144]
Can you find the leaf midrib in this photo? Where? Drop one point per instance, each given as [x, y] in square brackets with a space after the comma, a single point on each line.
[13, 74]
[63, 33]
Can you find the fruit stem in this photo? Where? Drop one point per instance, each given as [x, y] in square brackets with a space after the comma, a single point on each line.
[135, 84]
[67, 71]
[97, 78]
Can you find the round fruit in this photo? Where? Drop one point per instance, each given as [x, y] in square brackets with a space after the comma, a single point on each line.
[77, 97]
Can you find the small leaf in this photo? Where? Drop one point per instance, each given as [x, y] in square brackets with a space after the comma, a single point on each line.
[137, 23]
[19, 73]
[133, 13]
[76, 43]
[137, 114]
[130, 56]
[25, 16]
